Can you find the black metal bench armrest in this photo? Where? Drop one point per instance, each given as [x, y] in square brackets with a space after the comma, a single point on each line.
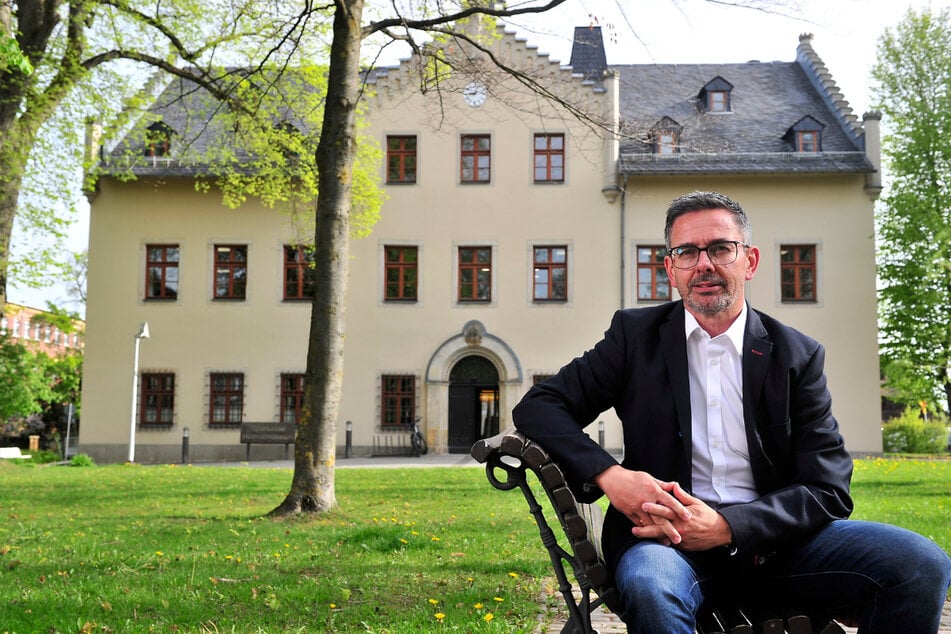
[509, 456]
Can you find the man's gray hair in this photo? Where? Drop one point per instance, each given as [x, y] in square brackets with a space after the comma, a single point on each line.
[702, 201]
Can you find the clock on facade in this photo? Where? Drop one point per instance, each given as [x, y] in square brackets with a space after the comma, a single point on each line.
[475, 94]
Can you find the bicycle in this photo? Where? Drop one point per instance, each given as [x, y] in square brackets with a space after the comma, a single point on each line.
[416, 440]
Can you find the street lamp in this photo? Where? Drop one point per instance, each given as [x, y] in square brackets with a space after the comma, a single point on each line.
[142, 334]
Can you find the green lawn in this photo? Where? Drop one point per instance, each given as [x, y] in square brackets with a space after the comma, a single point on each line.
[130, 548]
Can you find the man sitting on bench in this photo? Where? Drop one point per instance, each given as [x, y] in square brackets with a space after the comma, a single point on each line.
[735, 475]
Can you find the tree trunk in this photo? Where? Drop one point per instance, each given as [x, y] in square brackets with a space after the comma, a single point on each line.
[22, 112]
[312, 488]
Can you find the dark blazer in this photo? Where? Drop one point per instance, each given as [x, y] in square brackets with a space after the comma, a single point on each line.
[799, 462]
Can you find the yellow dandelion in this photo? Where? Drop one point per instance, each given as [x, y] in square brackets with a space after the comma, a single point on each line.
[478, 606]
[433, 601]
[439, 616]
[435, 539]
[333, 606]
[159, 553]
[498, 599]
[488, 617]
[403, 541]
[513, 575]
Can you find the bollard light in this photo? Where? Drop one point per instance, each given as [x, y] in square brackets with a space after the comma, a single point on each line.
[185, 433]
[348, 447]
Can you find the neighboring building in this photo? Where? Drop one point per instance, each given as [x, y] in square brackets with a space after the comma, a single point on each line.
[33, 328]
[512, 232]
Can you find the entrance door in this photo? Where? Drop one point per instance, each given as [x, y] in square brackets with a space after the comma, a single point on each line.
[473, 402]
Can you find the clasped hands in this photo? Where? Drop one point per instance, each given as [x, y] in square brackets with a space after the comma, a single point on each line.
[663, 511]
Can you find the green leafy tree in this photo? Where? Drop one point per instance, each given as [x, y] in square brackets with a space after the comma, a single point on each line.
[23, 384]
[913, 88]
[83, 57]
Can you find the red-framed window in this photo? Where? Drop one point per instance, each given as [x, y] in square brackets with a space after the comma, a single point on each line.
[475, 274]
[300, 276]
[161, 271]
[158, 140]
[226, 398]
[398, 399]
[549, 155]
[718, 101]
[401, 272]
[292, 397]
[808, 141]
[157, 405]
[666, 142]
[476, 160]
[231, 271]
[550, 275]
[797, 270]
[401, 159]
[652, 282]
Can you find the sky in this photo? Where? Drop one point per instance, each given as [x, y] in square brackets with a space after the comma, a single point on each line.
[845, 36]
[845, 33]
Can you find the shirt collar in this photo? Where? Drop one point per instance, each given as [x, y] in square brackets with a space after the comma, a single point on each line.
[735, 332]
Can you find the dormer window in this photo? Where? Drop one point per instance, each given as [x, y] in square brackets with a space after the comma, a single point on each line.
[805, 136]
[158, 140]
[718, 101]
[666, 137]
[715, 96]
[807, 141]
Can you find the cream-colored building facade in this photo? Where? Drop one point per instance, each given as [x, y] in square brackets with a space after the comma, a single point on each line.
[511, 232]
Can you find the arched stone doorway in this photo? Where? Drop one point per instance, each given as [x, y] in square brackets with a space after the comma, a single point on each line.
[472, 341]
[473, 402]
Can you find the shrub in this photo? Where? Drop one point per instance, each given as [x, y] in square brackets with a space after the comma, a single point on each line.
[82, 460]
[43, 456]
[909, 434]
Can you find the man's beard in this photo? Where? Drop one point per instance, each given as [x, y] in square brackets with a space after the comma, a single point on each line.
[709, 306]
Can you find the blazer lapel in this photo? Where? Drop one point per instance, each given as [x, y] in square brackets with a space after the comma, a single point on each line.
[757, 349]
[674, 348]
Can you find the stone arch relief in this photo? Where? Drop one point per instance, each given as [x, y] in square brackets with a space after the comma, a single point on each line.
[473, 339]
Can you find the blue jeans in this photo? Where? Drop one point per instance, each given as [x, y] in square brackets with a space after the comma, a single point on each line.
[884, 578]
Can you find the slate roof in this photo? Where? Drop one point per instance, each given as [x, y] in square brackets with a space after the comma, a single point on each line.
[767, 99]
[188, 110]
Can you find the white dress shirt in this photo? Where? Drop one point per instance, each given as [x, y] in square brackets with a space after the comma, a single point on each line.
[721, 457]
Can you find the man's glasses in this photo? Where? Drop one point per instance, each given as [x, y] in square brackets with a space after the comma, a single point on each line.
[720, 253]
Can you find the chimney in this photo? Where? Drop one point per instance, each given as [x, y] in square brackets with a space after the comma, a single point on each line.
[93, 143]
[872, 122]
[91, 151]
[587, 53]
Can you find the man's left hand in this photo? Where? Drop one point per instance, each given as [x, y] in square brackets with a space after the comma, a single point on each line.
[706, 529]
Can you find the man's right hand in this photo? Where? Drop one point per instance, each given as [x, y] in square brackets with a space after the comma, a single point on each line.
[629, 491]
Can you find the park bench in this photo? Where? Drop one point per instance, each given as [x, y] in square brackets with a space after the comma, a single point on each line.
[13, 453]
[268, 433]
[509, 456]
